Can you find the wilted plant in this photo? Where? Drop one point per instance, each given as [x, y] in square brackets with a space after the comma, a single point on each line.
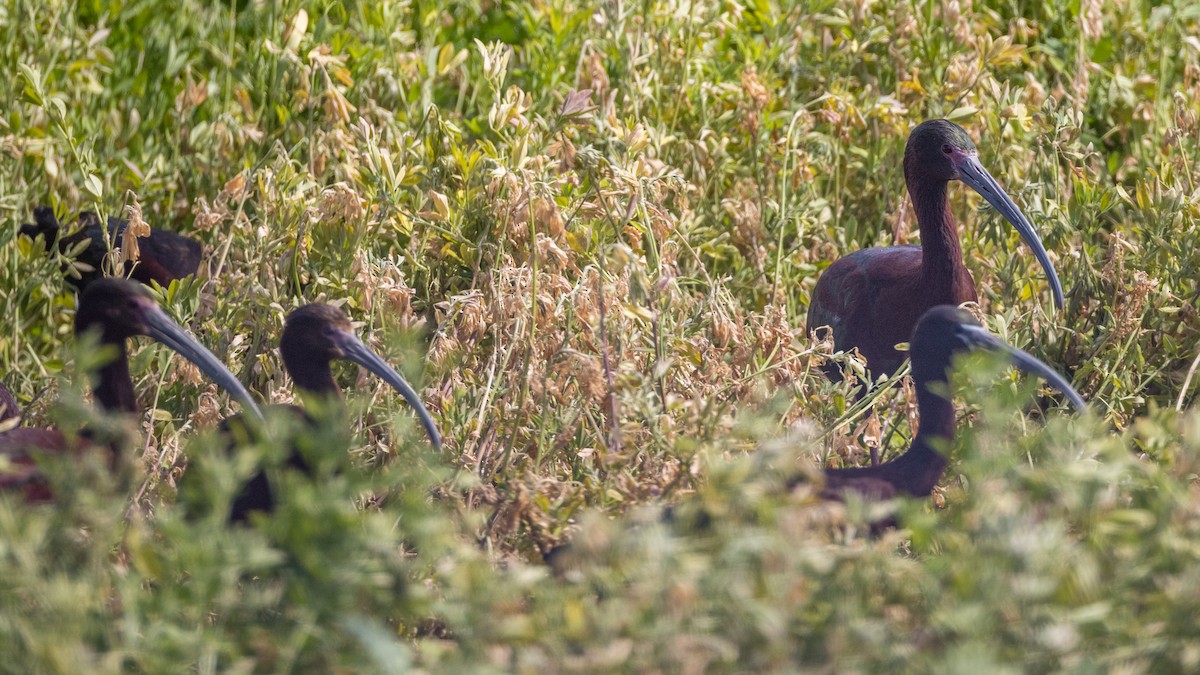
[592, 231]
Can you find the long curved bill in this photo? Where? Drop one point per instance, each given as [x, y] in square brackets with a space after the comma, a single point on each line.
[979, 336]
[971, 172]
[163, 329]
[354, 350]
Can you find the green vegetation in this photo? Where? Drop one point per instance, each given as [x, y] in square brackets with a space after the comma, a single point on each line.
[591, 231]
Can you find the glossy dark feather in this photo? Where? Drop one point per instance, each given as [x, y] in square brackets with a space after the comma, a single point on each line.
[164, 256]
[913, 474]
[19, 471]
[872, 299]
[9, 408]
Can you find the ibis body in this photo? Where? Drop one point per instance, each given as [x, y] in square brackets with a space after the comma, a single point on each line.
[163, 256]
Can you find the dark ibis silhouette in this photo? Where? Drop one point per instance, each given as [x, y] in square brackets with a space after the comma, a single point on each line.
[164, 256]
[941, 334]
[871, 299]
[313, 337]
[117, 309]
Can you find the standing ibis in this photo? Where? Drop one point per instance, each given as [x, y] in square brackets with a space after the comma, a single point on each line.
[116, 309]
[871, 299]
[163, 256]
[313, 337]
[941, 333]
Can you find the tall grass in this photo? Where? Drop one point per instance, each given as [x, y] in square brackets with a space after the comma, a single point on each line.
[591, 230]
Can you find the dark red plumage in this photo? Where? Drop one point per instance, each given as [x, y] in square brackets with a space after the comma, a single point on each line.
[164, 256]
[871, 299]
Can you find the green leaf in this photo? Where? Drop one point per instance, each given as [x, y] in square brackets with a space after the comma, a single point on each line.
[93, 185]
[961, 113]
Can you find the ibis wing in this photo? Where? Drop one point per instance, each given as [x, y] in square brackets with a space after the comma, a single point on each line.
[866, 301]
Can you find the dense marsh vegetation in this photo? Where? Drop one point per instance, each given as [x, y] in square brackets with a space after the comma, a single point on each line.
[590, 230]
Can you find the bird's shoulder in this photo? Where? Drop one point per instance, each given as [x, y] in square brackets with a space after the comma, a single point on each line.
[866, 483]
[16, 443]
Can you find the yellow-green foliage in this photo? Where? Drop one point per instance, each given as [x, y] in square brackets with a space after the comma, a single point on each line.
[591, 231]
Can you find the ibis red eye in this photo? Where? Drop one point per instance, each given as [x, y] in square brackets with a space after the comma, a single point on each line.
[947, 149]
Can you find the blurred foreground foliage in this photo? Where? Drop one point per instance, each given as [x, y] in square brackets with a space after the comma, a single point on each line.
[1056, 550]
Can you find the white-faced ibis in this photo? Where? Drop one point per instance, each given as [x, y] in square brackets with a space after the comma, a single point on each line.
[871, 299]
[941, 333]
[313, 337]
[117, 309]
[164, 256]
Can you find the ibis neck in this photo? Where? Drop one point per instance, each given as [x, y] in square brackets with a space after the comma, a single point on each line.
[316, 379]
[941, 254]
[918, 470]
[114, 390]
[936, 411]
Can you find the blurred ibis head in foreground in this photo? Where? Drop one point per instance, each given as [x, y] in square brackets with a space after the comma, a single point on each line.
[942, 333]
[871, 299]
[115, 310]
